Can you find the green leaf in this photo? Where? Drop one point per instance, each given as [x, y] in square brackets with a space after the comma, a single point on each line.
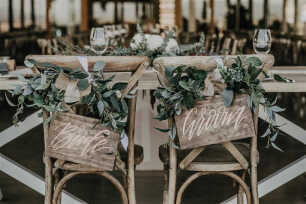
[21, 99]
[162, 130]
[169, 70]
[124, 106]
[100, 107]
[270, 113]
[30, 63]
[21, 78]
[249, 101]
[83, 84]
[165, 94]
[27, 91]
[277, 109]
[108, 94]
[279, 78]
[268, 132]
[99, 66]
[178, 109]
[115, 103]
[47, 65]
[227, 96]
[255, 61]
[184, 85]
[276, 147]
[188, 101]
[17, 90]
[255, 73]
[119, 86]
[43, 86]
[273, 138]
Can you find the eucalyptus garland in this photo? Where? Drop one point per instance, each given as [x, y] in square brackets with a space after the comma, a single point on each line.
[103, 102]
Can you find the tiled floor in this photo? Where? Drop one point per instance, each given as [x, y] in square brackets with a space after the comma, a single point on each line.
[27, 150]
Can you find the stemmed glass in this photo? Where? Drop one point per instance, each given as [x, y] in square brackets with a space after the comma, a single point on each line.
[98, 40]
[262, 41]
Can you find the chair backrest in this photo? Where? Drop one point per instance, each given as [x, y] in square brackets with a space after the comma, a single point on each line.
[207, 63]
[135, 64]
[112, 63]
[70, 136]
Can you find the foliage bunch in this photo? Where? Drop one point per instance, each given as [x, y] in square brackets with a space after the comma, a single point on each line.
[185, 85]
[243, 78]
[104, 101]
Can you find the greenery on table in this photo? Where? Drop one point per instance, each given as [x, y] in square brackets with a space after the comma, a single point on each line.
[185, 86]
[197, 49]
[103, 102]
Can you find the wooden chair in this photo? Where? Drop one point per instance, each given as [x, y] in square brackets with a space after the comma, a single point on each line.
[215, 154]
[58, 170]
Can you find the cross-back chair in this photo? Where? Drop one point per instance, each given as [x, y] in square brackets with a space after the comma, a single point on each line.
[214, 152]
[60, 169]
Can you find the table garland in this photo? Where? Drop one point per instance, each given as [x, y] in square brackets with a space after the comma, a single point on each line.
[141, 49]
[45, 91]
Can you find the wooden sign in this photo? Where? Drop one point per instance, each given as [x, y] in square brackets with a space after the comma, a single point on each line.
[82, 140]
[210, 122]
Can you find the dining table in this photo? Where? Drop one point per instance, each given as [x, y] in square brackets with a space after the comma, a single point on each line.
[149, 81]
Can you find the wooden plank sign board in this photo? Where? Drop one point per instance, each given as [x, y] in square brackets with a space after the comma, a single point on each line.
[210, 122]
[78, 139]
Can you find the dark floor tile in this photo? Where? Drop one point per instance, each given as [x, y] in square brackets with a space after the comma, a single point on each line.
[17, 193]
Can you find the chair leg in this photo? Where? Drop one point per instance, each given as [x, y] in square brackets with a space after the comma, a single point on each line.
[166, 184]
[131, 162]
[172, 176]
[254, 184]
[240, 190]
[48, 180]
[124, 181]
[57, 178]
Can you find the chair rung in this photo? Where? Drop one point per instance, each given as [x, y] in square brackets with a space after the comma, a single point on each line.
[213, 166]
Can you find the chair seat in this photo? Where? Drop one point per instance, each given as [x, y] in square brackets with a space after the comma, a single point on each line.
[211, 154]
[70, 166]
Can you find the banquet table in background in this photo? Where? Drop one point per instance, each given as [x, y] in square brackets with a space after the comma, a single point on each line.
[151, 138]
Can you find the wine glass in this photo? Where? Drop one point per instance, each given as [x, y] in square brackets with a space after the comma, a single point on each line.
[262, 41]
[98, 40]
